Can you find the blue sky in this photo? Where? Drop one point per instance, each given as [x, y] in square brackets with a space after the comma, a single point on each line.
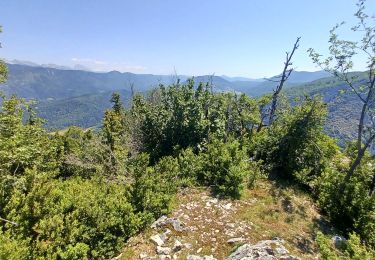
[231, 37]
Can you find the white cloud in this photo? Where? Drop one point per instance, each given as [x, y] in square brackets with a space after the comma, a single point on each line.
[99, 65]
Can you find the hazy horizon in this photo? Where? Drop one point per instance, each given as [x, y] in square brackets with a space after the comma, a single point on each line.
[83, 68]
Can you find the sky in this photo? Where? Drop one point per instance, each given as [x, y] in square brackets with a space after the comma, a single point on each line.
[189, 37]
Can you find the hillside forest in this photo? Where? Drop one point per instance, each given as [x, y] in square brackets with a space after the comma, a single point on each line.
[81, 193]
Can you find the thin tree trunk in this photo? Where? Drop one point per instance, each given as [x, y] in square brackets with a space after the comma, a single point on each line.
[357, 161]
[360, 150]
[372, 185]
[261, 124]
[354, 165]
[284, 77]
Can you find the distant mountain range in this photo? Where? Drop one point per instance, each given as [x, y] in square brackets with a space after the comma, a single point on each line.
[28, 80]
[240, 79]
[78, 97]
[49, 65]
[52, 84]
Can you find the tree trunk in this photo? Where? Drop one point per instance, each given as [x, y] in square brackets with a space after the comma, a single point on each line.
[357, 161]
[361, 151]
[260, 124]
[372, 185]
[354, 165]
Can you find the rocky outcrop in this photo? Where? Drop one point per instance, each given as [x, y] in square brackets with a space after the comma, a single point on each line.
[203, 227]
[169, 247]
[165, 221]
[265, 250]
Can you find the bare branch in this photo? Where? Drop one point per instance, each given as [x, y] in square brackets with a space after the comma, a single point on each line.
[8, 221]
[287, 71]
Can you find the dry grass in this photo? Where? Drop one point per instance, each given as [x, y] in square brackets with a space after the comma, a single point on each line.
[286, 213]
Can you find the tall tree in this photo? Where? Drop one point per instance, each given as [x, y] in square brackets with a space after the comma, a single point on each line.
[117, 106]
[116, 132]
[340, 64]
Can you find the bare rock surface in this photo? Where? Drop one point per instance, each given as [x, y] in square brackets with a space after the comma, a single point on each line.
[165, 221]
[203, 227]
[266, 249]
[157, 240]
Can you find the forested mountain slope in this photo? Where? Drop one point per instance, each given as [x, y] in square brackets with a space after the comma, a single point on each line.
[84, 111]
[343, 106]
[87, 110]
[42, 83]
[77, 97]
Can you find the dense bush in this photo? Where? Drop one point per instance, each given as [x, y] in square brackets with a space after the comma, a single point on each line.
[73, 194]
[169, 117]
[350, 208]
[153, 187]
[225, 167]
[222, 165]
[77, 218]
[176, 117]
[23, 143]
[81, 154]
[349, 249]
[190, 167]
[72, 219]
[296, 145]
[13, 248]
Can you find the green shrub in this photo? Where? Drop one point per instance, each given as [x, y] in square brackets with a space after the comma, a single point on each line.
[73, 219]
[350, 249]
[296, 146]
[257, 172]
[351, 208]
[153, 187]
[190, 166]
[326, 249]
[23, 145]
[80, 153]
[354, 249]
[225, 167]
[180, 116]
[13, 248]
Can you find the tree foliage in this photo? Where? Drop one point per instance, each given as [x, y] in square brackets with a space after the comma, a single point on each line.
[182, 115]
[340, 64]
